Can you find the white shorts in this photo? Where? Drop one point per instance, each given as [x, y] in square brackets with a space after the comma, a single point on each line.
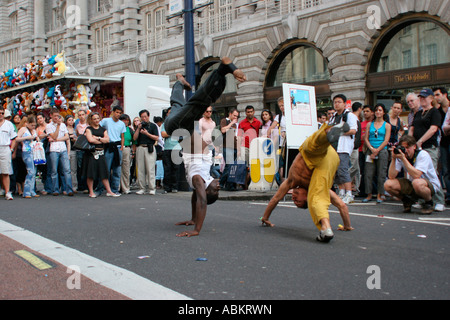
[198, 164]
[5, 160]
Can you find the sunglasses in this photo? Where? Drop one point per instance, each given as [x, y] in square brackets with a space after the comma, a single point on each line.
[376, 133]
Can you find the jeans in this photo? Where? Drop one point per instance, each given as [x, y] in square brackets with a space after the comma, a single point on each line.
[29, 188]
[230, 156]
[116, 172]
[60, 159]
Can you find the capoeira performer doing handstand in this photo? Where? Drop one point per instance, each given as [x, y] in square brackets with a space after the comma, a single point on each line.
[311, 176]
[198, 160]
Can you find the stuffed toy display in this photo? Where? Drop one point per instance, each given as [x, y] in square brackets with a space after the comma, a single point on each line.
[46, 68]
[67, 97]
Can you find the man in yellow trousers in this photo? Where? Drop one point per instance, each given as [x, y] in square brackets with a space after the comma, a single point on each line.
[311, 176]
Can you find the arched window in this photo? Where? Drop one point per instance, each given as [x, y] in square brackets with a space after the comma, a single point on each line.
[418, 44]
[410, 55]
[301, 65]
[298, 63]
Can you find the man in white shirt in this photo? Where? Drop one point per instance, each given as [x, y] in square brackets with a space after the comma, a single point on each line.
[345, 147]
[57, 136]
[421, 179]
[7, 145]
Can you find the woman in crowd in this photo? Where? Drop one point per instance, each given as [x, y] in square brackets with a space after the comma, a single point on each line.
[26, 135]
[94, 163]
[42, 134]
[70, 121]
[396, 124]
[20, 170]
[376, 140]
[267, 121]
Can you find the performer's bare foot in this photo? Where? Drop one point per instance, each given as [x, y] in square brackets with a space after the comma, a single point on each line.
[267, 223]
[188, 234]
[238, 74]
[185, 223]
[183, 81]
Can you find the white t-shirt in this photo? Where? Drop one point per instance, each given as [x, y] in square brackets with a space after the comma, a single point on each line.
[347, 143]
[57, 146]
[198, 164]
[424, 164]
[7, 133]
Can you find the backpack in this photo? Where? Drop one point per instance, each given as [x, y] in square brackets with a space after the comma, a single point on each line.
[357, 139]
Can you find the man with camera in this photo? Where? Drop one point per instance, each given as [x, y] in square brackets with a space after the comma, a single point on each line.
[146, 136]
[421, 180]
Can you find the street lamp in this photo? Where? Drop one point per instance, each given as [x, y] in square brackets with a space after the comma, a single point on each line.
[189, 40]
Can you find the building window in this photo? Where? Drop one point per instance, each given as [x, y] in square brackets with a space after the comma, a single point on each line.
[155, 28]
[301, 65]
[417, 44]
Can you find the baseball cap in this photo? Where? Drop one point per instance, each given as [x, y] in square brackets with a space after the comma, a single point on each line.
[425, 93]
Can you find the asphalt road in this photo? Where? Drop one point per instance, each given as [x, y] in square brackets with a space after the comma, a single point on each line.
[244, 260]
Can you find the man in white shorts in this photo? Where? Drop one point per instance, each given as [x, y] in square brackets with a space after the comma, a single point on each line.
[185, 115]
[7, 145]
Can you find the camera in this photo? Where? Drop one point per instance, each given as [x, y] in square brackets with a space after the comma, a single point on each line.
[398, 149]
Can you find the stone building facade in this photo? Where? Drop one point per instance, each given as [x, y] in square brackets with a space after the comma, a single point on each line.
[338, 46]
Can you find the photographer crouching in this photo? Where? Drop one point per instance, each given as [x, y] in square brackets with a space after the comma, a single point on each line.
[421, 179]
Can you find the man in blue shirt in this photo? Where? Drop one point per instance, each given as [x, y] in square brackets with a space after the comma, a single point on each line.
[113, 151]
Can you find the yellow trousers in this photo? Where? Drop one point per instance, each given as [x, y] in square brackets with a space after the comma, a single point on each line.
[320, 157]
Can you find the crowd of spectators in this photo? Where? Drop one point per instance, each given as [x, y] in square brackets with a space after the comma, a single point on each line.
[139, 154]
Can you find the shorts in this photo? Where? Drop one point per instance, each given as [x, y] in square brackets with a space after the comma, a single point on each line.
[5, 160]
[343, 172]
[406, 188]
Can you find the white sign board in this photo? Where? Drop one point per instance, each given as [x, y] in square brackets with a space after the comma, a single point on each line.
[200, 2]
[301, 113]
[175, 6]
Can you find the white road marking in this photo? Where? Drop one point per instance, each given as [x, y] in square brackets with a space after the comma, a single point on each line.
[118, 279]
[423, 220]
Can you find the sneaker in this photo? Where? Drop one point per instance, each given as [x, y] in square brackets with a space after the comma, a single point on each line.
[152, 192]
[439, 207]
[113, 195]
[325, 236]
[2, 192]
[348, 199]
[417, 206]
[427, 207]
[140, 192]
[9, 196]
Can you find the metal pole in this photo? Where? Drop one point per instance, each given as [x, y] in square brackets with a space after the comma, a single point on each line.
[189, 44]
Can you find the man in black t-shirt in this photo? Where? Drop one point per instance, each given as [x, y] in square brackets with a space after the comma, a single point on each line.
[425, 129]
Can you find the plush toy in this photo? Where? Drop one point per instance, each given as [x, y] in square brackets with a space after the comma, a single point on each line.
[18, 106]
[9, 77]
[38, 97]
[60, 64]
[3, 81]
[21, 78]
[59, 99]
[47, 67]
[27, 100]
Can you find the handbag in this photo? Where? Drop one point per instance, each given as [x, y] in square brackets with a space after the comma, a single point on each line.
[39, 154]
[238, 173]
[83, 144]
